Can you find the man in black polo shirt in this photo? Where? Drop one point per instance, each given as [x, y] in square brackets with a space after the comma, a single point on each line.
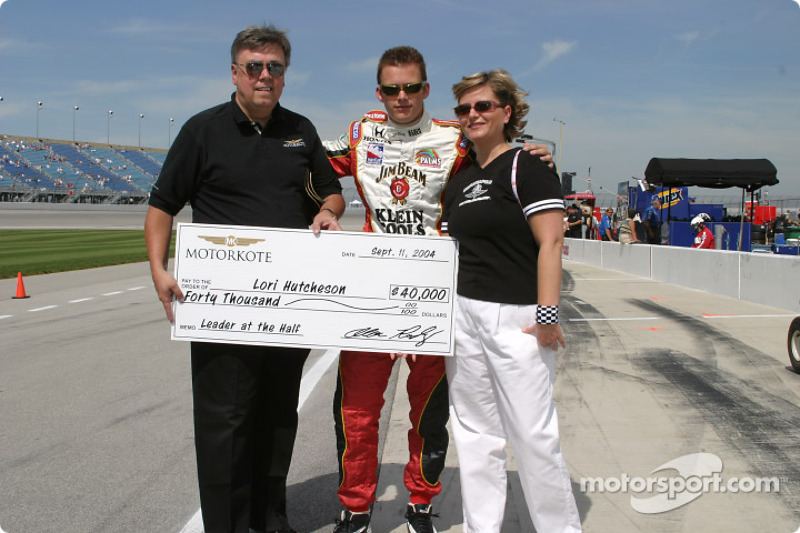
[573, 222]
[245, 162]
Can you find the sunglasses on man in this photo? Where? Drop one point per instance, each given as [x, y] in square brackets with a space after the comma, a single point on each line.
[409, 88]
[482, 106]
[255, 68]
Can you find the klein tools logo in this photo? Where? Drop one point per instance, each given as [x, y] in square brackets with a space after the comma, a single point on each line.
[230, 240]
[400, 188]
[428, 158]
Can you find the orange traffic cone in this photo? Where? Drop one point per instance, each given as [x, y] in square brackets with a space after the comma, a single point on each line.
[20, 288]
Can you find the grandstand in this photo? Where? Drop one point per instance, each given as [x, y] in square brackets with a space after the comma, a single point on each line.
[56, 171]
[53, 171]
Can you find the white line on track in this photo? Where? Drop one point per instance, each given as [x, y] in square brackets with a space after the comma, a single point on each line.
[312, 377]
[615, 319]
[610, 319]
[617, 279]
[309, 381]
[45, 308]
[42, 308]
[747, 316]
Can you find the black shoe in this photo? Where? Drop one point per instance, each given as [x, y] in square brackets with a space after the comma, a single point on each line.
[353, 523]
[418, 518]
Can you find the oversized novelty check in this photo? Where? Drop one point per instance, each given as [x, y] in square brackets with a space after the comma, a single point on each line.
[283, 287]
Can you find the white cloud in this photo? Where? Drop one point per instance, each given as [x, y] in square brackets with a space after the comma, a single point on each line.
[689, 37]
[166, 31]
[141, 26]
[552, 50]
[21, 47]
[365, 65]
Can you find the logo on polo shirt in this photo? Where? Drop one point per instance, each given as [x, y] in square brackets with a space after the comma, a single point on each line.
[294, 143]
[476, 191]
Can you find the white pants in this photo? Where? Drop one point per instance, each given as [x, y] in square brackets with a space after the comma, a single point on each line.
[501, 386]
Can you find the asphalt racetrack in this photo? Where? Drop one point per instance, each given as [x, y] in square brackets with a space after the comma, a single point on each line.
[678, 410]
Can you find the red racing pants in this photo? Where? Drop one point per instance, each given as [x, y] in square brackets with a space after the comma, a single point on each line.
[362, 381]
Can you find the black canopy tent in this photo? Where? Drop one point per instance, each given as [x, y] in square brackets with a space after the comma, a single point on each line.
[747, 174]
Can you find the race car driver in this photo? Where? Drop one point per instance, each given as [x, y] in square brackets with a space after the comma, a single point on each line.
[400, 159]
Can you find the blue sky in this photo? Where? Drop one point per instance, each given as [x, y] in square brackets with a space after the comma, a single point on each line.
[630, 79]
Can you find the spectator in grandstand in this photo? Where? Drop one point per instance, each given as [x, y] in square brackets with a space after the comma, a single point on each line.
[245, 397]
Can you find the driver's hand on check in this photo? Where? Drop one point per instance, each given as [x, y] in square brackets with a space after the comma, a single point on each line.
[325, 220]
[395, 355]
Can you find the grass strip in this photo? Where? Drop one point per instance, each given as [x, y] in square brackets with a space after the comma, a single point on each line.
[47, 251]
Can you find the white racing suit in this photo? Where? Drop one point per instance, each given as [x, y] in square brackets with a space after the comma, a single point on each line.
[400, 173]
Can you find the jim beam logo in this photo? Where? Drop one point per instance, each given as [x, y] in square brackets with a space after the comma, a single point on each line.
[404, 171]
[399, 187]
[230, 240]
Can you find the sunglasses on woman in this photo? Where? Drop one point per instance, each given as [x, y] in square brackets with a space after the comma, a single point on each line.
[482, 106]
[409, 88]
[254, 68]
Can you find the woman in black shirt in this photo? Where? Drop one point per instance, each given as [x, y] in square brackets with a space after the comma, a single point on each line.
[506, 212]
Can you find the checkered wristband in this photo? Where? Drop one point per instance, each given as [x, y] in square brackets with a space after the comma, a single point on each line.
[547, 314]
